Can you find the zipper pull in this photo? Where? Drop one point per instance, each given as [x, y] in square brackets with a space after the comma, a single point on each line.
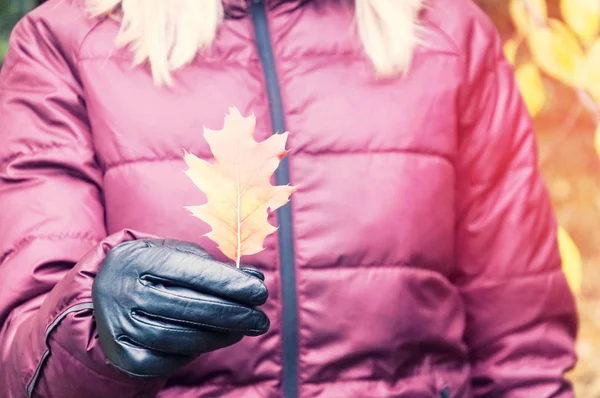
[445, 393]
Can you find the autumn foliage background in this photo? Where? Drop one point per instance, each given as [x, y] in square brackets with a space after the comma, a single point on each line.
[554, 46]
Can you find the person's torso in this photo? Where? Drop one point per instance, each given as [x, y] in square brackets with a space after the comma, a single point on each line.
[373, 219]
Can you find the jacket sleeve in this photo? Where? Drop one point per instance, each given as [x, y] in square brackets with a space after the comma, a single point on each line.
[52, 234]
[521, 317]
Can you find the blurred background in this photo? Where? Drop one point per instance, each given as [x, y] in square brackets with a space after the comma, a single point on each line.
[554, 46]
[10, 12]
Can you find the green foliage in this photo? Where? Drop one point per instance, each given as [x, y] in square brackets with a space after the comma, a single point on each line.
[10, 12]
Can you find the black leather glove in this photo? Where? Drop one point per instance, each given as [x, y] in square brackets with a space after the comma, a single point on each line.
[159, 304]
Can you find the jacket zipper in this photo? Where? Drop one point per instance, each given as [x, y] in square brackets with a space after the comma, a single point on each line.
[282, 176]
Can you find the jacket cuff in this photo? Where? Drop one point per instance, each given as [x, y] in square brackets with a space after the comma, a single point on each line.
[64, 357]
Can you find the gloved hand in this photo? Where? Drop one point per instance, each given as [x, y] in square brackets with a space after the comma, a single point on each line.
[159, 304]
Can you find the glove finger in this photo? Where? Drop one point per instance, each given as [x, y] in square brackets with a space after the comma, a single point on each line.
[180, 266]
[184, 246]
[138, 361]
[163, 335]
[254, 272]
[200, 311]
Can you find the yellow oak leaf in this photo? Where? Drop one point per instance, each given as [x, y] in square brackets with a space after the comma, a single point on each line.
[511, 47]
[557, 52]
[597, 140]
[571, 260]
[238, 186]
[583, 17]
[592, 83]
[531, 87]
[526, 14]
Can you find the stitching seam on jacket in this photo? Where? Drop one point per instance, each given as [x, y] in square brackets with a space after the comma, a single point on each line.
[408, 267]
[9, 89]
[122, 58]
[26, 241]
[489, 283]
[456, 50]
[44, 148]
[314, 55]
[439, 155]
[51, 327]
[398, 151]
[85, 36]
[126, 162]
[418, 373]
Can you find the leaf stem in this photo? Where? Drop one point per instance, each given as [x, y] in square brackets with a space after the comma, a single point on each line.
[239, 216]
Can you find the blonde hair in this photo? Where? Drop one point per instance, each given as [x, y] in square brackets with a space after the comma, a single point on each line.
[167, 34]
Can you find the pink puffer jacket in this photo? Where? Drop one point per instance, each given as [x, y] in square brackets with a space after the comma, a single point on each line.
[417, 259]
